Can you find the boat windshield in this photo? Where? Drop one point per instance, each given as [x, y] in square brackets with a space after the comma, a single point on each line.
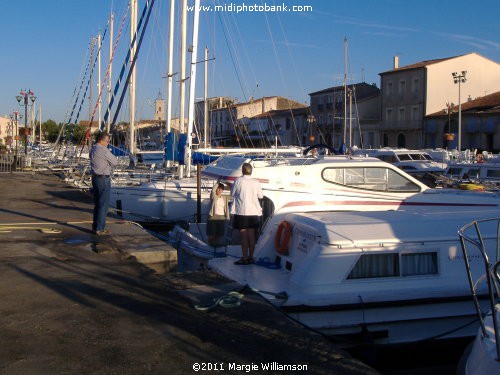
[370, 178]
[420, 156]
[404, 157]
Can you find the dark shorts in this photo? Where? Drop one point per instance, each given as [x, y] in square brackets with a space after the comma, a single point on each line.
[245, 222]
[216, 225]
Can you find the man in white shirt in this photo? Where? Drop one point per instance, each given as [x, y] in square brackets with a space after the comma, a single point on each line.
[246, 193]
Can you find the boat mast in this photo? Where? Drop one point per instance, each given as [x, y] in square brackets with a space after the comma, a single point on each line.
[99, 39]
[133, 47]
[111, 25]
[168, 113]
[192, 87]
[205, 103]
[40, 119]
[345, 90]
[350, 118]
[182, 91]
[90, 80]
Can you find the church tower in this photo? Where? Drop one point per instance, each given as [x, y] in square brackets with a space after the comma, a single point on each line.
[159, 108]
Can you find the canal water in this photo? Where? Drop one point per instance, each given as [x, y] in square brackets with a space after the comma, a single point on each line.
[426, 358]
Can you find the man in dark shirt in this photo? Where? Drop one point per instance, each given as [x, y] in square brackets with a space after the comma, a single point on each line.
[102, 162]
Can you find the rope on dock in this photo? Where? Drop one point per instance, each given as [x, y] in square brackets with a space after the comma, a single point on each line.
[10, 228]
[231, 299]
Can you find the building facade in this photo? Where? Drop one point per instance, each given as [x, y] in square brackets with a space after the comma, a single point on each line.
[285, 127]
[8, 131]
[412, 92]
[350, 117]
[230, 122]
[480, 124]
[219, 124]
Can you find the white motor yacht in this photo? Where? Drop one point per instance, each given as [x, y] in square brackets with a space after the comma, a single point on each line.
[387, 277]
[296, 184]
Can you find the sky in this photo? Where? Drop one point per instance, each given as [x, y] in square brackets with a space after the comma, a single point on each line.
[45, 46]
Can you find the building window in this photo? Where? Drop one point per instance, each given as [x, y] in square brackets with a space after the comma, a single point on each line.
[320, 120]
[414, 85]
[401, 140]
[371, 139]
[388, 113]
[330, 119]
[414, 113]
[329, 99]
[389, 88]
[339, 102]
[402, 87]
[401, 114]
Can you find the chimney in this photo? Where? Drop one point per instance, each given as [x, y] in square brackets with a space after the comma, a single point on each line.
[396, 62]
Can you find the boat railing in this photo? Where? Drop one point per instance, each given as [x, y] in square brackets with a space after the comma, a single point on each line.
[472, 240]
[14, 163]
[280, 160]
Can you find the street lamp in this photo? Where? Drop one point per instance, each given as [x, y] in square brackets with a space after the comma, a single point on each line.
[14, 117]
[310, 120]
[26, 97]
[459, 78]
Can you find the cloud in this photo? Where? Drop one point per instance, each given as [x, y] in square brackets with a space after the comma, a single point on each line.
[291, 44]
[472, 41]
[382, 33]
[365, 23]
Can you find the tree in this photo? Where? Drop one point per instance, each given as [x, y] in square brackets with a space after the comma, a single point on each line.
[50, 130]
[79, 133]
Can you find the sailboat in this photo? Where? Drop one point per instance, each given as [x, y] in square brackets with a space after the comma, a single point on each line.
[183, 195]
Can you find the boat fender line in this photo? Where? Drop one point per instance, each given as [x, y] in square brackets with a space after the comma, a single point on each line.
[231, 299]
[280, 295]
[281, 241]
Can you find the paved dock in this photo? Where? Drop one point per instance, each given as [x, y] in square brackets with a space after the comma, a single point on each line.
[75, 303]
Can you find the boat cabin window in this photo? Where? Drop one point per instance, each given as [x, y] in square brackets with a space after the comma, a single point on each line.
[370, 178]
[493, 173]
[375, 265]
[394, 265]
[473, 172]
[454, 172]
[388, 158]
[419, 264]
